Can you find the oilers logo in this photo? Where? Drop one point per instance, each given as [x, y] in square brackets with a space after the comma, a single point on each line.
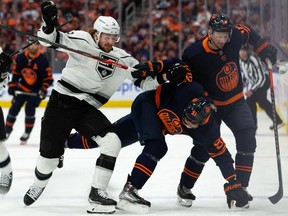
[105, 70]
[171, 121]
[227, 79]
[29, 75]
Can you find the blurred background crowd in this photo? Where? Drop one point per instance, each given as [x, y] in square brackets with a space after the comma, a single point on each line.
[150, 29]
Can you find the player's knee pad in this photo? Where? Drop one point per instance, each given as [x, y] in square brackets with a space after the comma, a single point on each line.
[245, 140]
[105, 161]
[110, 144]
[245, 153]
[193, 159]
[200, 154]
[46, 165]
[156, 149]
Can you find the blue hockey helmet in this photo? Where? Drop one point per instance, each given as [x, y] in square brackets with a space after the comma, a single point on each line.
[220, 23]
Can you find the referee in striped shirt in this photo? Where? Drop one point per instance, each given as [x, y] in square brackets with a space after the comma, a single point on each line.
[256, 85]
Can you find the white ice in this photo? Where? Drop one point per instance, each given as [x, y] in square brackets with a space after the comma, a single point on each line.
[68, 189]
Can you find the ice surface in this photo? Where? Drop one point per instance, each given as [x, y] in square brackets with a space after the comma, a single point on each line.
[68, 189]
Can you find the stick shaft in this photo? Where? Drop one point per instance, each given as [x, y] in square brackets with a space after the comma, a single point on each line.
[80, 52]
[34, 41]
[25, 93]
[279, 194]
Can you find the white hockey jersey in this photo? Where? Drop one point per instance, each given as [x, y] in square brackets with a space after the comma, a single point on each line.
[86, 78]
[4, 83]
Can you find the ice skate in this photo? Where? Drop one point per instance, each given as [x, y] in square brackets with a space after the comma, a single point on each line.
[100, 203]
[5, 182]
[32, 194]
[130, 201]
[250, 198]
[24, 138]
[185, 196]
[61, 161]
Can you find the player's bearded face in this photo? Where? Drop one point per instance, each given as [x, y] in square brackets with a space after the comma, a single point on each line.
[219, 39]
[107, 41]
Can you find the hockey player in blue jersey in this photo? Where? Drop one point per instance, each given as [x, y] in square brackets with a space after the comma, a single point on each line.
[172, 101]
[178, 110]
[31, 74]
[214, 63]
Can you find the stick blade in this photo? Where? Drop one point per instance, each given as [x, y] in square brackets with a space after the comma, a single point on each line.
[276, 197]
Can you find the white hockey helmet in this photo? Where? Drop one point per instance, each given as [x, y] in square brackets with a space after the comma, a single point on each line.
[108, 25]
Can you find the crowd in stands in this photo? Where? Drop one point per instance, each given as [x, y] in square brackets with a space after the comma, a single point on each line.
[168, 33]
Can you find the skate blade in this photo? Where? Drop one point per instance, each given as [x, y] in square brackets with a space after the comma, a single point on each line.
[184, 202]
[132, 207]
[243, 207]
[23, 142]
[233, 206]
[100, 209]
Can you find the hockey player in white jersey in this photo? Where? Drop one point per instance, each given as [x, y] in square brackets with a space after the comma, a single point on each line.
[85, 85]
[5, 161]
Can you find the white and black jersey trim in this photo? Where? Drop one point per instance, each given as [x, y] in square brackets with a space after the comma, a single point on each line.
[100, 99]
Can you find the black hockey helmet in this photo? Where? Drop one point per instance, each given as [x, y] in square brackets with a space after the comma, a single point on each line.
[198, 110]
[220, 23]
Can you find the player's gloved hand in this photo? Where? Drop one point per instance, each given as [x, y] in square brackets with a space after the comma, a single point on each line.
[265, 50]
[5, 64]
[235, 192]
[145, 69]
[12, 87]
[179, 73]
[49, 16]
[42, 93]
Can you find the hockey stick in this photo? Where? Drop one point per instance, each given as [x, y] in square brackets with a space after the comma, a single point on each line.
[278, 196]
[80, 52]
[25, 93]
[69, 19]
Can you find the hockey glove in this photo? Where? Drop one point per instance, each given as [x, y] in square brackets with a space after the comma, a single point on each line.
[12, 87]
[42, 93]
[235, 192]
[179, 73]
[5, 64]
[49, 16]
[145, 69]
[265, 50]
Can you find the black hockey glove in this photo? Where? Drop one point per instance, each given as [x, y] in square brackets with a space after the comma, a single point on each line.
[49, 16]
[42, 93]
[145, 69]
[265, 50]
[12, 87]
[235, 192]
[5, 64]
[179, 73]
